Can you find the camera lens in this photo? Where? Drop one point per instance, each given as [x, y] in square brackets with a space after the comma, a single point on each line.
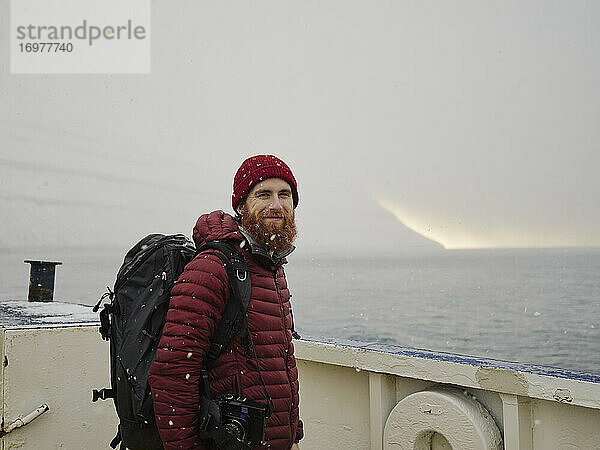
[235, 428]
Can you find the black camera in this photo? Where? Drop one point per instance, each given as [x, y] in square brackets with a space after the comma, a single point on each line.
[239, 423]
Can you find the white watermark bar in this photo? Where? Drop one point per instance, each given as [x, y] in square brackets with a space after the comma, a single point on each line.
[84, 37]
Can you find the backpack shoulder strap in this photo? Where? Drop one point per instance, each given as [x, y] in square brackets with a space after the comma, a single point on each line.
[240, 287]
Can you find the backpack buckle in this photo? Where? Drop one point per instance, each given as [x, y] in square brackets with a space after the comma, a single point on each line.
[102, 394]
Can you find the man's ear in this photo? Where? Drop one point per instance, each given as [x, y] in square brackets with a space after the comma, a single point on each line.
[239, 210]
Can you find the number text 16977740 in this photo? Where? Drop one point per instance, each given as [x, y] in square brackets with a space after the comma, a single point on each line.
[45, 47]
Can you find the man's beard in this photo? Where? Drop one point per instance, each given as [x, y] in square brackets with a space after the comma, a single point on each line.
[277, 236]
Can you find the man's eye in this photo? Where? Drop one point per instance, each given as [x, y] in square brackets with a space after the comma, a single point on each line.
[262, 195]
[284, 194]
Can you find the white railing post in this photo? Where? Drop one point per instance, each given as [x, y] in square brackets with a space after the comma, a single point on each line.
[382, 399]
[518, 430]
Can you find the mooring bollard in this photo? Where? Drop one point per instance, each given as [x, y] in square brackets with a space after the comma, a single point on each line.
[41, 280]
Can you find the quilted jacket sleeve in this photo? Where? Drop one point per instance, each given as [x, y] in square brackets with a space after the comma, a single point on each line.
[198, 300]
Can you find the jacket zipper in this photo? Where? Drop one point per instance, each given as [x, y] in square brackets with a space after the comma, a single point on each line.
[276, 283]
[286, 350]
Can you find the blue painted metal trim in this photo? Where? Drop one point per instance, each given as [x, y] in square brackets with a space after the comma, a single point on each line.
[463, 359]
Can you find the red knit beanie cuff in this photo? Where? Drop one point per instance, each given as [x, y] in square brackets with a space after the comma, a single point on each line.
[256, 169]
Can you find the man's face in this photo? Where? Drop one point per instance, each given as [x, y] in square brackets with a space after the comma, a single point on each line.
[268, 214]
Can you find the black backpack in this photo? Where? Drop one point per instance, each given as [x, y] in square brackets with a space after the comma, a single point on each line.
[134, 319]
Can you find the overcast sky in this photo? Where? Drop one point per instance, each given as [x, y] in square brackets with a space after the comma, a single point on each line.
[473, 124]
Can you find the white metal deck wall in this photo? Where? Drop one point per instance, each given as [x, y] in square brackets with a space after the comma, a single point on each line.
[346, 393]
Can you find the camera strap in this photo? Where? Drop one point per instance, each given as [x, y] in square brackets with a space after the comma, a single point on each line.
[270, 407]
[205, 385]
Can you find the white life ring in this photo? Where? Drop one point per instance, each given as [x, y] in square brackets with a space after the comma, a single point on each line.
[456, 416]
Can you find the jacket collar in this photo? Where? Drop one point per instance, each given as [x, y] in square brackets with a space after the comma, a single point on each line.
[256, 249]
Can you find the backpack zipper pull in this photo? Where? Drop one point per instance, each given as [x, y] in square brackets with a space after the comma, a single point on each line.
[163, 277]
[110, 294]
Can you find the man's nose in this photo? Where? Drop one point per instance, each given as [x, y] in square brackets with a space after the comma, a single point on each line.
[276, 204]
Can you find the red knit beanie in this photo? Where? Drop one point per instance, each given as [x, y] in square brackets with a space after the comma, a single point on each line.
[256, 169]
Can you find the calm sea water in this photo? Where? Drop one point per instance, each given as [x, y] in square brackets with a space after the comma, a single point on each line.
[537, 306]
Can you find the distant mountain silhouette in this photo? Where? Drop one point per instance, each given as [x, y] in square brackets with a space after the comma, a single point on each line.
[362, 226]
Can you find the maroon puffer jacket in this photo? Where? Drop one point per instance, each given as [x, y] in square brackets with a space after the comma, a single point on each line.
[198, 300]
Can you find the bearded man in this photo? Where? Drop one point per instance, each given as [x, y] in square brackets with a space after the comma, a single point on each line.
[265, 195]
